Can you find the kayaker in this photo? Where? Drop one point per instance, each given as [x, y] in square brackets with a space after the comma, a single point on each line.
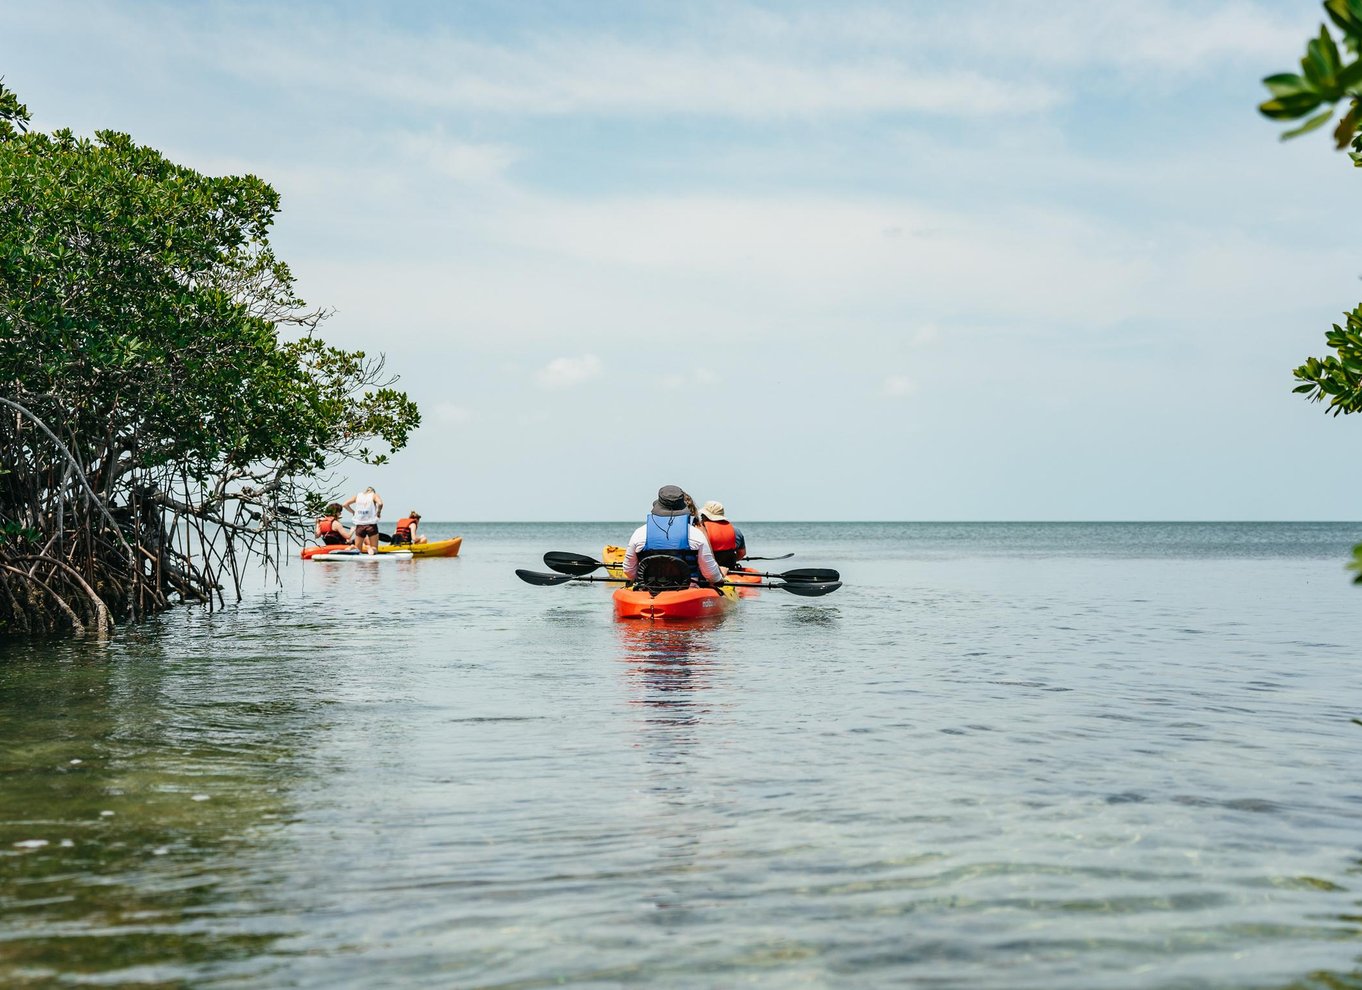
[406, 529]
[329, 529]
[367, 507]
[669, 530]
[725, 539]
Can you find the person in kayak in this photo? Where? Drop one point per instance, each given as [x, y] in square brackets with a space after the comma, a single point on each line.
[367, 507]
[329, 528]
[725, 539]
[406, 529]
[669, 530]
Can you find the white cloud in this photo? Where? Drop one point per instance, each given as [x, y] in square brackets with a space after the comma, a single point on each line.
[460, 160]
[1053, 36]
[449, 414]
[719, 60]
[746, 62]
[807, 251]
[603, 76]
[1178, 37]
[566, 372]
[898, 386]
[811, 270]
[924, 335]
[697, 378]
[717, 63]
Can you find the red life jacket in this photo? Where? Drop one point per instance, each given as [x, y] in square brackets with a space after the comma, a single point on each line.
[721, 535]
[328, 527]
[403, 529]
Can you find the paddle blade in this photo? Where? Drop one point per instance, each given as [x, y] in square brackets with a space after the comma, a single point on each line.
[810, 574]
[809, 589]
[535, 577]
[784, 556]
[570, 563]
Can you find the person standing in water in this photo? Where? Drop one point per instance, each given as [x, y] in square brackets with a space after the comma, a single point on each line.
[367, 507]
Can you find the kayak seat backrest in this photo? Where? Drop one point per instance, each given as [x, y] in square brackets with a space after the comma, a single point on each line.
[662, 572]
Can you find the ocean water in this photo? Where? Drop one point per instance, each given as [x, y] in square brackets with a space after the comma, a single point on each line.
[1003, 755]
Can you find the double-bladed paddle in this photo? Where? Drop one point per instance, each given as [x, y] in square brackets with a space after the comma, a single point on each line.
[807, 589]
[578, 564]
[539, 577]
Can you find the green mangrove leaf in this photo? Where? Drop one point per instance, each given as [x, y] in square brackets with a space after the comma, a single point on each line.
[1314, 123]
[1291, 106]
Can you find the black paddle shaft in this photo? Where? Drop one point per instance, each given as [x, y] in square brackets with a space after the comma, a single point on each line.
[577, 565]
[805, 589]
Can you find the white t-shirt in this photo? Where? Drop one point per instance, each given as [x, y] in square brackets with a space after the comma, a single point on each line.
[365, 509]
[709, 567]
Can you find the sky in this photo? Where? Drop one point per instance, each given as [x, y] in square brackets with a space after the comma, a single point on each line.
[853, 261]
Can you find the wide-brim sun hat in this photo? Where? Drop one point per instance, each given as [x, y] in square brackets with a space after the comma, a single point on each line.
[671, 501]
[714, 510]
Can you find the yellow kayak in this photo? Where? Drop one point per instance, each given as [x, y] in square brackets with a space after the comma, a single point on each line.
[439, 548]
[613, 558]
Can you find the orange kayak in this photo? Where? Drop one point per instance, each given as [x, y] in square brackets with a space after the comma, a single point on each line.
[688, 603]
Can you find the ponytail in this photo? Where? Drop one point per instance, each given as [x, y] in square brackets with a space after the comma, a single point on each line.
[690, 507]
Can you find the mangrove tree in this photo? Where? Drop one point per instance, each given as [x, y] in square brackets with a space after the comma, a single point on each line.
[168, 412]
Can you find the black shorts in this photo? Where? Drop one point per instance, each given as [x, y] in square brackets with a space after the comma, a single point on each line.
[363, 531]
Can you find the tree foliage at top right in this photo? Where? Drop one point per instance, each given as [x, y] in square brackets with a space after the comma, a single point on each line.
[1330, 74]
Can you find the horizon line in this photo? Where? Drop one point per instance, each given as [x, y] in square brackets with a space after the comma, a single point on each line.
[937, 522]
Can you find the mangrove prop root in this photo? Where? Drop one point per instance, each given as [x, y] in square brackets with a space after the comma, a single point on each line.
[90, 538]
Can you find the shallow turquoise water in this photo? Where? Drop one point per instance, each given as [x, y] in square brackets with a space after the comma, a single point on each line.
[1004, 755]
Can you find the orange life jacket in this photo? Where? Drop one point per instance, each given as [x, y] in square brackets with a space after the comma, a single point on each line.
[328, 527]
[721, 535]
[403, 530]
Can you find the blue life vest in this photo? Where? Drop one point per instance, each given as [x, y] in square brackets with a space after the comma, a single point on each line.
[667, 533]
[670, 535]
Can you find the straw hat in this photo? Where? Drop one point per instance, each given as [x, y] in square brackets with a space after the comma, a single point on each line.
[713, 510]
